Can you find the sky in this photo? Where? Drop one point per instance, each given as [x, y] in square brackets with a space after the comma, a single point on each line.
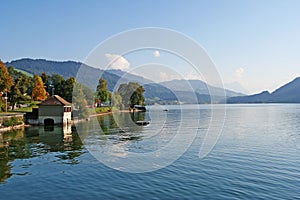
[255, 43]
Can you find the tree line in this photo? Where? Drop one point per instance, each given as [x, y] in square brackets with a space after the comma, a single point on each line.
[19, 87]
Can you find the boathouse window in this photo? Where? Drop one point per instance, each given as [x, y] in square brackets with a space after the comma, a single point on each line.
[67, 109]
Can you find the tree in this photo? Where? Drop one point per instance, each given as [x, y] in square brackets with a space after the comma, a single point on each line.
[102, 93]
[6, 80]
[137, 98]
[67, 87]
[58, 82]
[46, 81]
[132, 94]
[39, 93]
[89, 95]
[116, 100]
[19, 90]
[22, 86]
[80, 104]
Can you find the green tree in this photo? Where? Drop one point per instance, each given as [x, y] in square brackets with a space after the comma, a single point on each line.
[39, 93]
[67, 87]
[116, 100]
[46, 81]
[137, 98]
[132, 94]
[88, 94]
[19, 90]
[80, 104]
[102, 93]
[58, 82]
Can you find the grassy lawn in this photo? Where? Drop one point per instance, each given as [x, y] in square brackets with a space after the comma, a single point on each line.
[32, 104]
[102, 109]
[7, 113]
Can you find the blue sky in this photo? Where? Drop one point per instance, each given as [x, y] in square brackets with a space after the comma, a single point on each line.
[256, 43]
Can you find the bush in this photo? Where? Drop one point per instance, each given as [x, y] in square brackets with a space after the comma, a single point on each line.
[11, 122]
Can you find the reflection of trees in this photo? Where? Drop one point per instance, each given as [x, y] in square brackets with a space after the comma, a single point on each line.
[4, 166]
[12, 146]
[122, 124]
[36, 141]
[138, 116]
[106, 122]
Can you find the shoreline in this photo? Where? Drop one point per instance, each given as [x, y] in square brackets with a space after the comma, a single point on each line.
[74, 121]
[107, 113]
[6, 129]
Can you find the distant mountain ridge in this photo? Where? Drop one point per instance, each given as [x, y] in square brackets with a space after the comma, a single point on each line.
[288, 93]
[66, 69]
[183, 91]
[38, 66]
[198, 86]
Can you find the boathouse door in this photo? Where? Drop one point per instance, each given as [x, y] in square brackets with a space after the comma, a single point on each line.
[49, 122]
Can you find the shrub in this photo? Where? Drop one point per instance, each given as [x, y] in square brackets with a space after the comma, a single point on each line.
[13, 121]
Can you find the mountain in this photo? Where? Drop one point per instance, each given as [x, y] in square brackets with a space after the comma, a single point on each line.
[191, 91]
[199, 87]
[38, 66]
[67, 69]
[128, 76]
[288, 93]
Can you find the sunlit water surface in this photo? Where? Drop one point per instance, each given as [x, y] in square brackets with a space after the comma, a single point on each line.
[257, 156]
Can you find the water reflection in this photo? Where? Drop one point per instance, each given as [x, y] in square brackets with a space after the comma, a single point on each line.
[114, 134]
[122, 124]
[36, 141]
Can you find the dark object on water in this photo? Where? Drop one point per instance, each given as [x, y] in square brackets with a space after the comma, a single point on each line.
[140, 108]
[142, 123]
[166, 110]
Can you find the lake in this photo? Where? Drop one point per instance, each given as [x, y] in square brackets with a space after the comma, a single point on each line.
[256, 156]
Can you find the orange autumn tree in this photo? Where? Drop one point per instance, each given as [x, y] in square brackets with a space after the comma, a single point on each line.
[39, 92]
[6, 80]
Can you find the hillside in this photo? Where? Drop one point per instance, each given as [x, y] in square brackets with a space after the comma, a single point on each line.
[288, 93]
[66, 69]
[38, 66]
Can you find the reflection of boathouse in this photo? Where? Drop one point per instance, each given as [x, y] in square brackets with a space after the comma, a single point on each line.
[54, 110]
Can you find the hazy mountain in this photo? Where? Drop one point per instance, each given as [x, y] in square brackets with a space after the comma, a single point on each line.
[198, 86]
[187, 91]
[128, 76]
[288, 93]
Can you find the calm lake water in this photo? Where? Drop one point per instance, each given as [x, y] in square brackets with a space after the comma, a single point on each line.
[257, 156]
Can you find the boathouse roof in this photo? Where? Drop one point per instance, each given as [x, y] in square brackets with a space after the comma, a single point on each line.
[55, 100]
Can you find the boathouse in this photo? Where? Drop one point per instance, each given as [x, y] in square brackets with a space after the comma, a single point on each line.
[53, 110]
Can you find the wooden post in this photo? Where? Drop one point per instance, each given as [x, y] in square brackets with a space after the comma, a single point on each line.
[6, 101]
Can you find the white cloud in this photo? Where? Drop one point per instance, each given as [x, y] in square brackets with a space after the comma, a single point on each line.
[239, 72]
[156, 54]
[117, 62]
